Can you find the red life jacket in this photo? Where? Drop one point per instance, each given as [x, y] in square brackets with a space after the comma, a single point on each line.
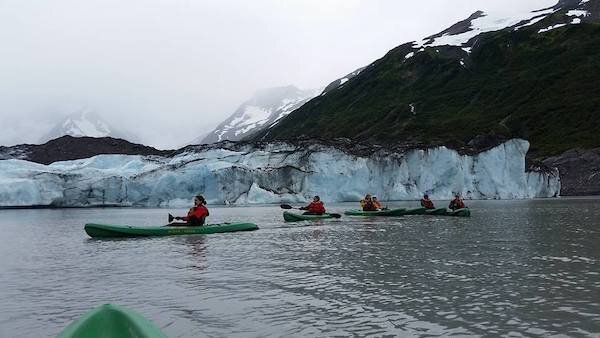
[196, 215]
[427, 204]
[316, 208]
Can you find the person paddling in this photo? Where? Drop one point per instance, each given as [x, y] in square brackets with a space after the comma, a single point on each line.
[197, 213]
[426, 202]
[316, 207]
[457, 203]
[367, 203]
[376, 203]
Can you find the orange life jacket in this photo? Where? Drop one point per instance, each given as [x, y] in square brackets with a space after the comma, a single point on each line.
[368, 206]
[457, 203]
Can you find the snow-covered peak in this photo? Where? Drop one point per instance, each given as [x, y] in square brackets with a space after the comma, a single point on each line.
[84, 122]
[266, 108]
[478, 23]
[463, 33]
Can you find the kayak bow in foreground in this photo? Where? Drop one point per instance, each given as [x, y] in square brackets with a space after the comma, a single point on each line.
[111, 321]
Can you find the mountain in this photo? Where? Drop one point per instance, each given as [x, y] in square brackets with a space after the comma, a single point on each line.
[197, 140]
[265, 108]
[68, 147]
[84, 122]
[486, 79]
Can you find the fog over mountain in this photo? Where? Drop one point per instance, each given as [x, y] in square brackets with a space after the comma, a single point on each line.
[169, 71]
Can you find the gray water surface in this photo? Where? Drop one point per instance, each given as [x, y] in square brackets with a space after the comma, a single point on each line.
[515, 268]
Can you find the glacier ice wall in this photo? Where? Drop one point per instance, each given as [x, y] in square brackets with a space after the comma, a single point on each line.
[273, 173]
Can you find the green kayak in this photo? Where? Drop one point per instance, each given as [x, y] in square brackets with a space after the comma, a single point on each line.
[391, 212]
[109, 230]
[294, 217]
[447, 212]
[108, 321]
[415, 211]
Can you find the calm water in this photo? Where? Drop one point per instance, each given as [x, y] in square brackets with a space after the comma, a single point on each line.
[522, 268]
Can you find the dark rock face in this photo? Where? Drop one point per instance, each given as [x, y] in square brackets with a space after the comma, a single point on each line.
[579, 171]
[72, 148]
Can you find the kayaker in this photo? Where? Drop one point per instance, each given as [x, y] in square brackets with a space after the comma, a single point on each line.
[198, 213]
[457, 203]
[315, 207]
[426, 202]
[376, 203]
[367, 203]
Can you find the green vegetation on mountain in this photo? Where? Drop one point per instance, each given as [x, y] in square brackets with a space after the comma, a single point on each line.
[542, 87]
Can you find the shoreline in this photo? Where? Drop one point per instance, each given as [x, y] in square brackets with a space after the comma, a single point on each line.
[117, 206]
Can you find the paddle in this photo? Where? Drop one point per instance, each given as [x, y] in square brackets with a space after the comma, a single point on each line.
[171, 218]
[288, 207]
[171, 224]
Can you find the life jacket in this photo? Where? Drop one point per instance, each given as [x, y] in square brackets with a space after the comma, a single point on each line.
[368, 205]
[196, 215]
[316, 208]
[377, 205]
[457, 203]
[427, 204]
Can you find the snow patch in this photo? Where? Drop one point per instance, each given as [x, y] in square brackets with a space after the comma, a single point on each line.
[532, 22]
[489, 22]
[547, 29]
[409, 55]
[578, 12]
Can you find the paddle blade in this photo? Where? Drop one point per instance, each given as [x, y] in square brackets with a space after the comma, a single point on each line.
[286, 206]
[335, 215]
[171, 218]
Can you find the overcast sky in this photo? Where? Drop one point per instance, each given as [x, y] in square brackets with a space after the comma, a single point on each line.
[170, 70]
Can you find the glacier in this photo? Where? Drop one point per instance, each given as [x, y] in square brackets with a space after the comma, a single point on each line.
[249, 173]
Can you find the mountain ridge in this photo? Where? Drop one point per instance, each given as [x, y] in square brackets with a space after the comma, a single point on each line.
[264, 109]
[454, 88]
